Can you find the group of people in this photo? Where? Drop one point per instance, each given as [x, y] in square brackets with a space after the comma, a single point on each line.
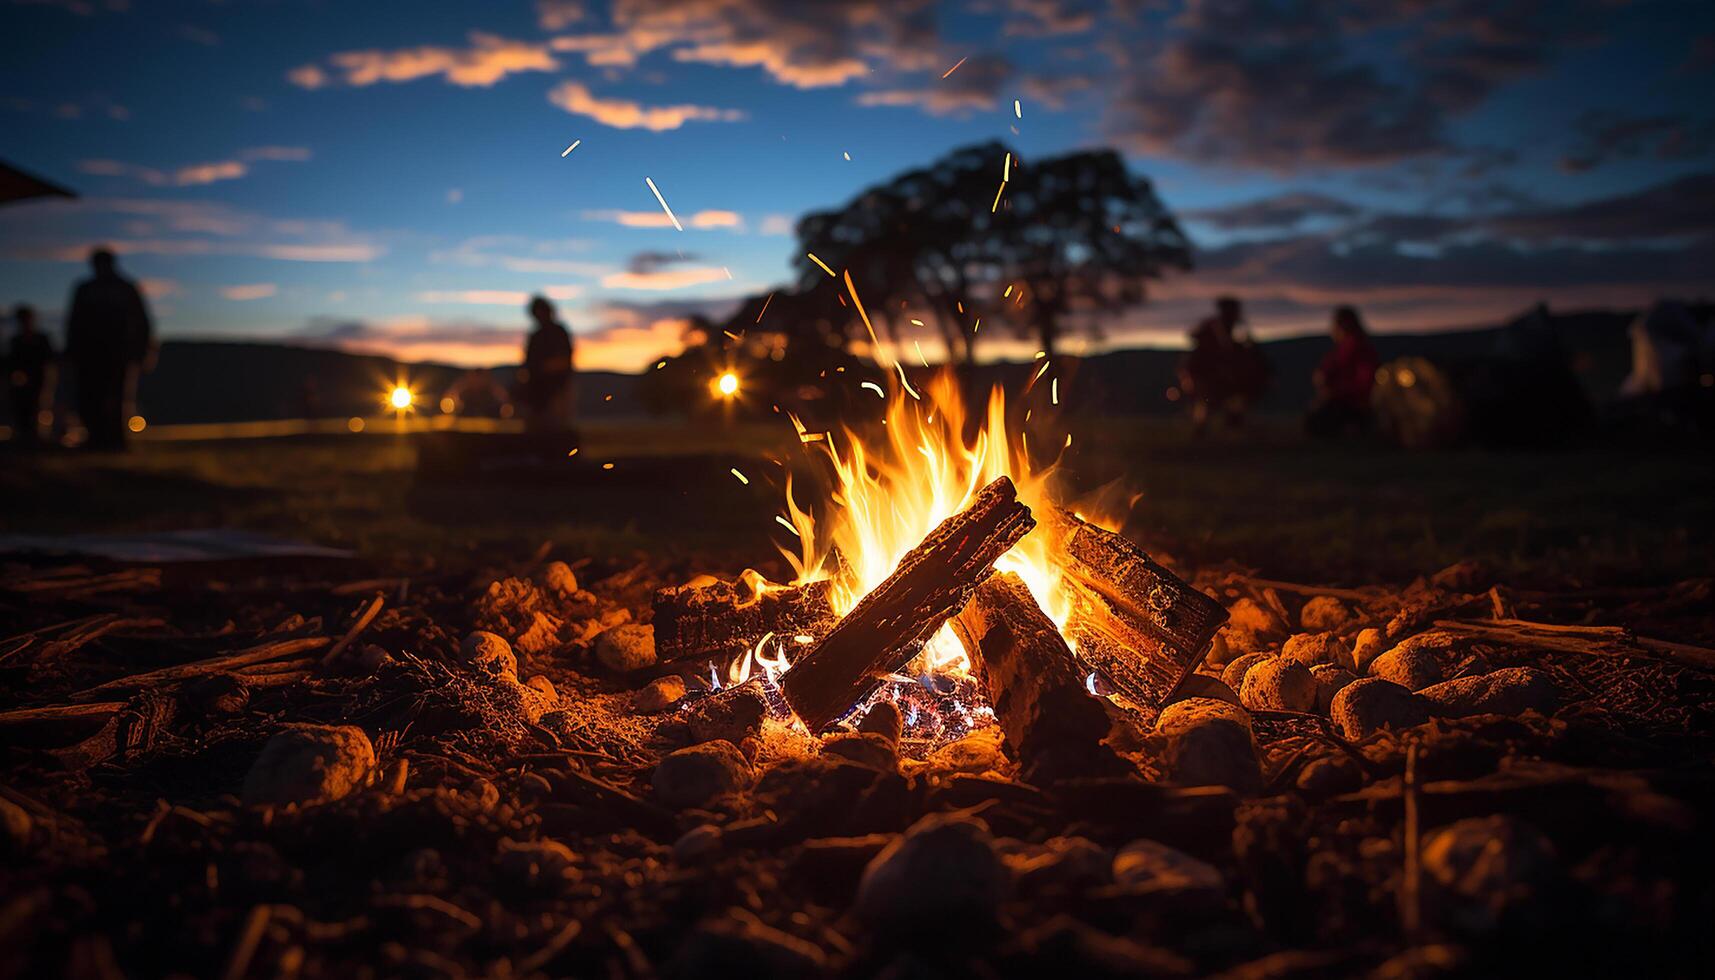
[1225, 372]
[109, 340]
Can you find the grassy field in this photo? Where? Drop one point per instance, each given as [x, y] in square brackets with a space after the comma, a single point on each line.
[1264, 498]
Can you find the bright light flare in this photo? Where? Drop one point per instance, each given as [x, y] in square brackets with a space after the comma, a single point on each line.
[727, 384]
[400, 397]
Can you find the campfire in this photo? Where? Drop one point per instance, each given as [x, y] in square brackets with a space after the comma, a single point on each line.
[948, 575]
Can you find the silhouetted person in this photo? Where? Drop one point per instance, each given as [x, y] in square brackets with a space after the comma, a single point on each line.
[1344, 379]
[28, 359]
[547, 374]
[1224, 372]
[108, 337]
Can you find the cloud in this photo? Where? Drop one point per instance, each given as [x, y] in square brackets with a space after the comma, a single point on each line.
[159, 288]
[516, 253]
[557, 15]
[487, 60]
[1278, 212]
[196, 174]
[475, 297]
[64, 231]
[658, 278]
[418, 338]
[975, 86]
[1607, 136]
[710, 219]
[576, 98]
[806, 45]
[1048, 18]
[778, 224]
[257, 290]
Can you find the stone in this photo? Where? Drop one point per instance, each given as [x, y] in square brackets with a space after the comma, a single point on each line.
[740, 944]
[1311, 649]
[697, 843]
[537, 697]
[870, 749]
[659, 694]
[1329, 679]
[15, 823]
[1251, 616]
[1369, 645]
[536, 864]
[1278, 684]
[1205, 686]
[558, 577]
[694, 775]
[488, 654]
[884, 719]
[1151, 865]
[1209, 743]
[304, 764]
[1481, 873]
[1330, 775]
[978, 752]
[1064, 863]
[1470, 575]
[1509, 691]
[626, 647]
[1219, 652]
[734, 714]
[1370, 704]
[1234, 675]
[941, 877]
[1412, 668]
[1323, 613]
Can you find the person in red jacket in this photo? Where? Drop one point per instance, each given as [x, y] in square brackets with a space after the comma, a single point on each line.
[1344, 379]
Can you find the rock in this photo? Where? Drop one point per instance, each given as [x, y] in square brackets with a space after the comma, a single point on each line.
[739, 944]
[940, 878]
[1278, 684]
[870, 749]
[1251, 616]
[1204, 686]
[1147, 864]
[558, 577]
[309, 764]
[884, 719]
[536, 864]
[1370, 704]
[1470, 575]
[1062, 946]
[1412, 668]
[978, 752]
[1330, 775]
[15, 824]
[1064, 863]
[1219, 652]
[1311, 649]
[695, 775]
[537, 697]
[1234, 675]
[1329, 679]
[1209, 743]
[697, 843]
[659, 695]
[1323, 613]
[1368, 646]
[734, 714]
[489, 654]
[626, 647]
[1482, 872]
[1509, 691]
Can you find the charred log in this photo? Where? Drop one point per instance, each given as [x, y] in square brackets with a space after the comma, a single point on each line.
[727, 618]
[1053, 724]
[890, 625]
[1143, 627]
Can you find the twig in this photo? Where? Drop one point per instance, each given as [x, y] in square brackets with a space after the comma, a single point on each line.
[239, 963]
[274, 650]
[1355, 595]
[364, 619]
[554, 947]
[1411, 890]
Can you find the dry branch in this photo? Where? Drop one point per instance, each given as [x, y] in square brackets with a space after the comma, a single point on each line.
[1053, 723]
[727, 618]
[1596, 641]
[1142, 626]
[890, 625]
[273, 650]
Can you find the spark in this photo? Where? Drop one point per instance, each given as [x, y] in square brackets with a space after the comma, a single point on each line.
[574, 452]
[902, 380]
[1017, 110]
[741, 477]
[859, 304]
[919, 345]
[1090, 683]
[1006, 169]
[657, 192]
[872, 386]
[956, 66]
[848, 156]
[783, 522]
[660, 364]
[1040, 372]
[1068, 441]
[569, 148]
[607, 466]
[727, 271]
[1007, 293]
[1054, 390]
[824, 265]
[916, 322]
[764, 309]
[997, 193]
[978, 326]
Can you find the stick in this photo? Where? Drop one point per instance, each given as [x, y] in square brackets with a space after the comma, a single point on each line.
[1053, 723]
[1596, 641]
[890, 625]
[273, 650]
[364, 619]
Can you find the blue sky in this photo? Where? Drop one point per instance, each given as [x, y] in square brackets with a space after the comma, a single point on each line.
[389, 176]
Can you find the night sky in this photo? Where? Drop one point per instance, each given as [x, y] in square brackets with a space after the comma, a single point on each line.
[390, 177]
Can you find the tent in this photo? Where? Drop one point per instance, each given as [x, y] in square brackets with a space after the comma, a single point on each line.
[16, 185]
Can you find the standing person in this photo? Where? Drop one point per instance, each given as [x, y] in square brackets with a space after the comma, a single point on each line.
[547, 376]
[28, 360]
[108, 337]
[1344, 378]
[1224, 372]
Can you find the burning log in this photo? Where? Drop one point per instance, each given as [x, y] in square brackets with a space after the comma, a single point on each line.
[1053, 723]
[727, 618]
[890, 625]
[1142, 626]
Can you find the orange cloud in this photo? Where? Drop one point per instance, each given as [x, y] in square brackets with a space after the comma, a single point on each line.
[475, 297]
[658, 219]
[488, 60]
[657, 279]
[256, 290]
[577, 99]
